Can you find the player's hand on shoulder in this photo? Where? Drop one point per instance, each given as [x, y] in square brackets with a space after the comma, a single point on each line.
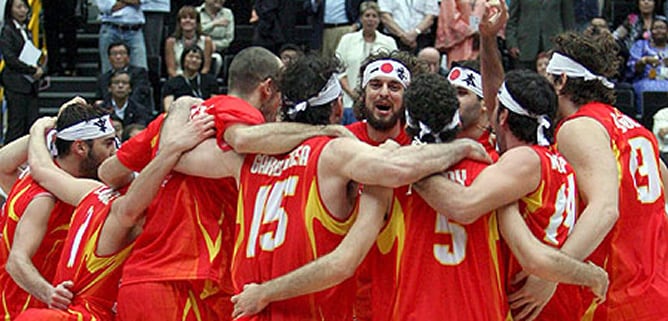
[339, 131]
[60, 296]
[474, 150]
[249, 302]
[187, 136]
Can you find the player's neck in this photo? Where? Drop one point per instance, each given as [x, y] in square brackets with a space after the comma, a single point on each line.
[566, 107]
[69, 164]
[475, 131]
[381, 136]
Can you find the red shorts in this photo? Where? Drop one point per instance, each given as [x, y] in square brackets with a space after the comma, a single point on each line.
[177, 300]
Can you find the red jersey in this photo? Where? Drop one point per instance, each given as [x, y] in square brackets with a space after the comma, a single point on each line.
[461, 260]
[95, 277]
[634, 252]
[361, 130]
[188, 234]
[489, 143]
[550, 212]
[282, 225]
[14, 300]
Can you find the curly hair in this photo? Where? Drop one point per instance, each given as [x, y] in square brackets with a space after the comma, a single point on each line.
[431, 100]
[405, 58]
[71, 115]
[303, 79]
[535, 94]
[598, 53]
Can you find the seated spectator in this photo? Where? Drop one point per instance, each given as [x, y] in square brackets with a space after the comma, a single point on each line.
[121, 104]
[131, 130]
[119, 60]
[542, 60]
[289, 52]
[432, 59]
[118, 125]
[188, 33]
[637, 25]
[649, 61]
[192, 82]
[217, 23]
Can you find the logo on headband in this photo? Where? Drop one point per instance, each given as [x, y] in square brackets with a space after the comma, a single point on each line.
[102, 124]
[470, 80]
[455, 74]
[386, 68]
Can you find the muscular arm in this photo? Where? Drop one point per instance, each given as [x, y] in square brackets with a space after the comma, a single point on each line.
[516, 174]
[490, 59]
[544, 261]
[27, 239]
[328, 270]
[113, 173]
[586, 146]
[12, 157]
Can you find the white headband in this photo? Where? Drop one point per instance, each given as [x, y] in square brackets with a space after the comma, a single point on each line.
[561, 64]
[466, 78]
[388, 68]
[85, 130]
[543, 121]
[329, 92]
[425, 130]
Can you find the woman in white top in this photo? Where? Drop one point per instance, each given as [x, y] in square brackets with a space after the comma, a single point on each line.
[355, 47]
[188, 33]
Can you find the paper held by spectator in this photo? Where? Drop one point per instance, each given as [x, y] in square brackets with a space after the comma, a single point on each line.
[30, 54]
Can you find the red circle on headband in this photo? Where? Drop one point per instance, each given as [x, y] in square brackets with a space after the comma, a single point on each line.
[455, 74]
[386, 68]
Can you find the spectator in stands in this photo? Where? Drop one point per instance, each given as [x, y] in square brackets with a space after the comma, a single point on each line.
[354, 48]
[637, 25]
[21, 80]
[542, 60]
[122, 21]
[585, 11]
[432, 58]
[217, 23]
[409, 23]
[131, 130]
[531, 26]
[155, 12]
[289, 52]
[458, 28]
[121, 104]
[274, 23]
[649, 60]
[119, 59]
[59, 19]
[331, 19]
[192, 82]
[599, 25]
[188, 33]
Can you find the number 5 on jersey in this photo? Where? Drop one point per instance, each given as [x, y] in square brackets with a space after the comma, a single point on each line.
[268, 210]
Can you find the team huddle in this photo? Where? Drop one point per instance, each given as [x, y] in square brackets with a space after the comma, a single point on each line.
[482, 196]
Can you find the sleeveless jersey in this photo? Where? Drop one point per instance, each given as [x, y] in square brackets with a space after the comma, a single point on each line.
[449, 270]
[634, 252]
[550, 212]
[282, 224]
[13, 299]
[188, 234]
[95, 277]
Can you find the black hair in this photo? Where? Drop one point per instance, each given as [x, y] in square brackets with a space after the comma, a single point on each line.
[195, 49]
[431, 100]
[116, 44]
[71, 115]
[8, 11]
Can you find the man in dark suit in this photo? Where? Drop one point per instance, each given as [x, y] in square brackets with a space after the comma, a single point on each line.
[324, 22]
[119, 58]
[531, 26]
[120, 103]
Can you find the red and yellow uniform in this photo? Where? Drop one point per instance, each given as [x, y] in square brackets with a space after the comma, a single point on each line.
[461, 260]
[186, 245]
[283, 224]
[13, 299]
[634, 252]
[550, 212]
[95, 277]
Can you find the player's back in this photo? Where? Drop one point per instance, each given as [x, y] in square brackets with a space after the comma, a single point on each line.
[635, 250]
[282, 224]
[13, 298]
[461, 263]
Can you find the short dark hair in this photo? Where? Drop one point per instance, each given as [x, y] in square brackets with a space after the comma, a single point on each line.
[431, 100]
[535, 94]
[116, 73]
[250, 67]
[598, 53]
[403, 57]
[71, 115]
[116, 44]
[303, 79]
[290, 46]
[195, 49]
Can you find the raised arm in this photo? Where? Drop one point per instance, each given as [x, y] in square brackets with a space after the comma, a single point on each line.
[494, 18]
[375, 166]
[516, 174]
[27, 239]
[44, 171]
[328, 270]
[12, 157]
